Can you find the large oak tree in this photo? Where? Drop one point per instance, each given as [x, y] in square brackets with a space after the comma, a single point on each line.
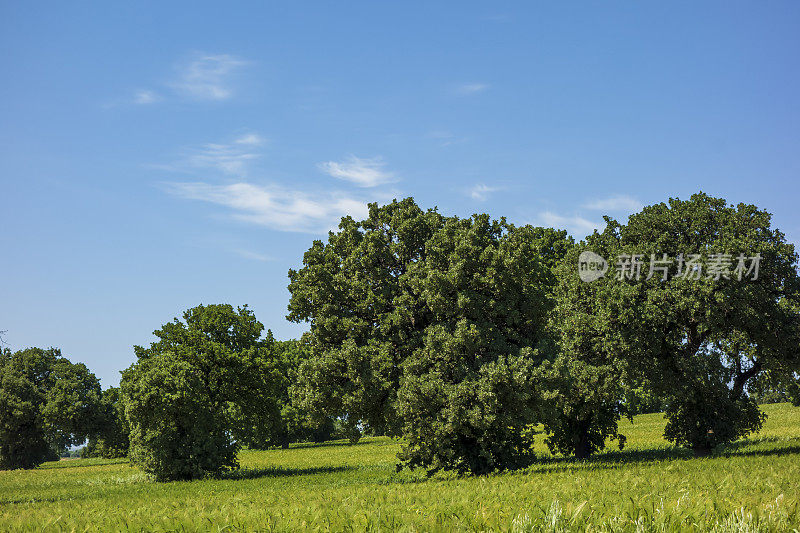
[428, 327]
[700, 336]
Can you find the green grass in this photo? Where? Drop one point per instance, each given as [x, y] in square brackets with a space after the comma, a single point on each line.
[752, 485]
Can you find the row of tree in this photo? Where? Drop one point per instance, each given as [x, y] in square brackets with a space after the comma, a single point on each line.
[208, 386]
[461, 336]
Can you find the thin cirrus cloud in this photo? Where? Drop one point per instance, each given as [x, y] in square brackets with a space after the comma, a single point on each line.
[273, 206]
[208, 77]
[203, 78]
[230, 158]
[249, 254]
[615, 203]
[362, 172]
[146, 97]
[465, 89]
[444, 137]
[481, 192]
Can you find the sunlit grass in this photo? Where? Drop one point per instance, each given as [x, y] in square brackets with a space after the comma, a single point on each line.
[648, 486]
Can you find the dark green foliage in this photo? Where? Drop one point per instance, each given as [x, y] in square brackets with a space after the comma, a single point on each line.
[46, 405]
[769, 388]
[707, 418]
[458, 416]
[178, 431]
[296, 424]
[698, 343]
[257, 416]
[198, 392]
[639, 399]
[579, 406]
[365, 319]
[582, 389]
[112, 438]
[428, 327]
[282, 423]
[299, 429]
[22, 436]
[71, 410]
[705, 412]
[486, 290]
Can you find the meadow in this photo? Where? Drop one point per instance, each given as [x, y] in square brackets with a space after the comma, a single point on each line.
[752, 485]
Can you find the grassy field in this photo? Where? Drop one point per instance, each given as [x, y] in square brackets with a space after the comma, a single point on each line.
[753, 485]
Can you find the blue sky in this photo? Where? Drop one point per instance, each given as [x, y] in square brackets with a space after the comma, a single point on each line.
[160, 155]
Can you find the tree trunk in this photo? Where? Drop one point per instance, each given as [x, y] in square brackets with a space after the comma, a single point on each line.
[582, 450]
[701, 451]
[284, 437]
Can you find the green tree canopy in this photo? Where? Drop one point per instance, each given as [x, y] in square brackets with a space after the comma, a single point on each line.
[178, 430]
[227, 374]
[279, 421]
[468, 392]
[364, 315]
[112, 437]
[697, 337]
[428, 327]
[47, 403]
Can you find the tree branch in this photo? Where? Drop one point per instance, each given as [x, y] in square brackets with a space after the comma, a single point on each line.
[743, 377]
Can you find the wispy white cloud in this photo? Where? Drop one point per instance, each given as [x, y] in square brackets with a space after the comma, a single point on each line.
[444, 137]
[362, 172]
[140, 97]
[481, 192]
[249, 139]
[231, 158]
[249, 254]
[615, 203]
[203, 78]
[208, 77]
[145, 97]
[275, 207]
[470, 88]
[576, 225]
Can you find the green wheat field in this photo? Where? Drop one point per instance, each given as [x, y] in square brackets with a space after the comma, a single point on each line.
[753, 485]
